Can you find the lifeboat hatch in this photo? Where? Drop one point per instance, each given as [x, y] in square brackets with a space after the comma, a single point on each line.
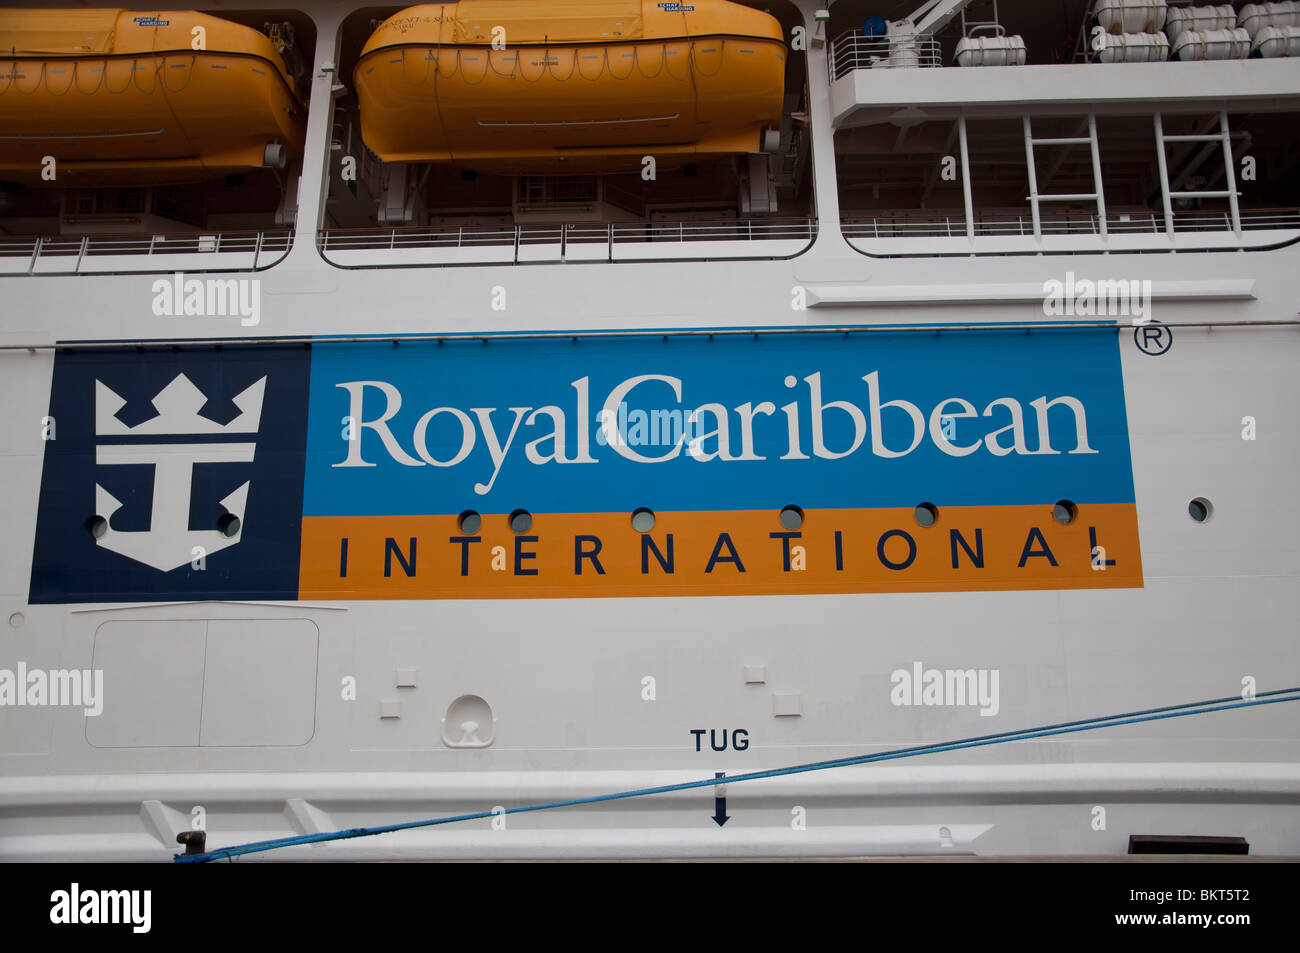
[575, 21]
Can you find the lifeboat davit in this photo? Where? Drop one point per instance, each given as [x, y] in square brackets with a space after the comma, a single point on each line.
[124, 98]
[523, 86]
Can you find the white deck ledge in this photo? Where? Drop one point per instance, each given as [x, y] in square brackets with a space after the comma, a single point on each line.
[867, 96]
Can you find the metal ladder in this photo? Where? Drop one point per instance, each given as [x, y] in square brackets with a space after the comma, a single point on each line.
[1224, 135]
[968, 25]
[1097, 195]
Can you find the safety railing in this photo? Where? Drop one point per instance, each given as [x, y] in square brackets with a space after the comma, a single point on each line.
[996, 224]
[561, 242]
[135, 253]
[853, 50]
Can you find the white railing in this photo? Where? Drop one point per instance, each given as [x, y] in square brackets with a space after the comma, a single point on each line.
[558, 242]
[852, 51]
[134, 253]
[997, 224]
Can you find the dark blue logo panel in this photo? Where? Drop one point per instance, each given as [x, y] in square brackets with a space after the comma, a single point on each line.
[175, 475]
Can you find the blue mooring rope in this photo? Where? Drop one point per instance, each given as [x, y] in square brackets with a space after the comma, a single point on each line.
[1061, 728]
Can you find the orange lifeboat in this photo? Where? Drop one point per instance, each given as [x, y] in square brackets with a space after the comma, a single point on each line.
[522, 86]
[123, 98]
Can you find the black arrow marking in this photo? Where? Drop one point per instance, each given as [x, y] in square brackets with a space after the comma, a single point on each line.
[720, 805]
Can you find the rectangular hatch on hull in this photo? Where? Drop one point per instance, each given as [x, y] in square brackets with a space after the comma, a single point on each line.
[216, 683]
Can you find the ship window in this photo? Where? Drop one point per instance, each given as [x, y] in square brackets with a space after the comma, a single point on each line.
[532, 190]
[129, 201]
[1200, 509]
[575, 189]
[469, 522]
[926, 514]
[1065, 512]
[643, 520]
[538, 190]
[107, 201]
[521, 521]
[792, 517]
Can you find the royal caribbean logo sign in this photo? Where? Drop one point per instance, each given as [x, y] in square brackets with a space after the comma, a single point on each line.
[597, 467]
[173, 475]
[169, 542]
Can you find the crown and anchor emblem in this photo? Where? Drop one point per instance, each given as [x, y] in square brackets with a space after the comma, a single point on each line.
[169, 543]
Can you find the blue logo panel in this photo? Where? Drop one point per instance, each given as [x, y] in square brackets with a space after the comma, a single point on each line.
[174, 475]
[871, 420]
[197, 473]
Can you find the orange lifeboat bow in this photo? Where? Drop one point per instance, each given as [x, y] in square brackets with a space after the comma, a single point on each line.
[521, 86]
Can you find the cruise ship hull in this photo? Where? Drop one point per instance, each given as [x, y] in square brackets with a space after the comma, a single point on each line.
[419, 537]
[740, 681]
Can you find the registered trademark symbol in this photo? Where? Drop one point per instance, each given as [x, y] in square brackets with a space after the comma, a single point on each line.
[1153, 338]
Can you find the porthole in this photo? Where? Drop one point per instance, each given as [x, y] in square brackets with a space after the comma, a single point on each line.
[469, 522]
[643, 520]
[792, 517]
[96, 526]
[1065, 512]
[229, 525]
[926, 514]
[521, 521]
[1200, 509]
